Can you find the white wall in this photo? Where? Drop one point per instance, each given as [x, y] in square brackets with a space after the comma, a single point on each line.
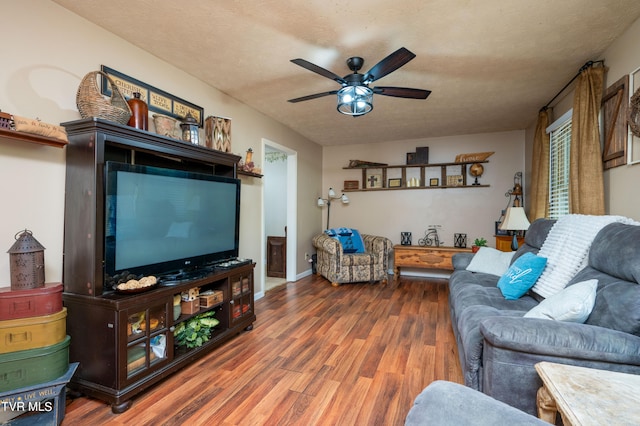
[461, 210]
[52, 51]
[622, 58]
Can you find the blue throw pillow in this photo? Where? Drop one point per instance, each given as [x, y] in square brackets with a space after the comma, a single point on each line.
[349, 238]
[521, 275]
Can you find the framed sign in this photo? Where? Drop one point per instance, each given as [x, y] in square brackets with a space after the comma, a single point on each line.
[395, 183]
[157, 100]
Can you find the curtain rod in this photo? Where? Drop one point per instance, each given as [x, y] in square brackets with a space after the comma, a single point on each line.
[587, 65]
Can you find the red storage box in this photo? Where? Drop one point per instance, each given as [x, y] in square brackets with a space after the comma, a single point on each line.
[33, 302]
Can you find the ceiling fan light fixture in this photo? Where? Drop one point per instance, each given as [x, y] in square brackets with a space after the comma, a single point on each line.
[355, 100]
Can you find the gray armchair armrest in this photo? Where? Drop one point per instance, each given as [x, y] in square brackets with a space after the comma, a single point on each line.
[451, 404]
[561, 339]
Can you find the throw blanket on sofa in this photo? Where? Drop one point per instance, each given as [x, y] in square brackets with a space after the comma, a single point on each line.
[349, 238]
[567, 248]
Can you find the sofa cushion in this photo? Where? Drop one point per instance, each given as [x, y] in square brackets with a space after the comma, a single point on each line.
[490, 261]
[468, 325]
[537, 232]
[573, 304]
[349, 238]
[462, 279]
[624, 241]
[617, 306]
[567, 249]
[359, 259]
[472, 295]
[521, 276]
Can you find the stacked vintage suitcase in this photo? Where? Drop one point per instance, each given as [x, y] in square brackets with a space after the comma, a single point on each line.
[34, 346]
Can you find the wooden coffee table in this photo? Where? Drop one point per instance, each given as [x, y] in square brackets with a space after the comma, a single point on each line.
[586, 396]
[427, 257]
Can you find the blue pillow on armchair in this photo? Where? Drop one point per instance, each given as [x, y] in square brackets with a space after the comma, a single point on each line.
[349, 238]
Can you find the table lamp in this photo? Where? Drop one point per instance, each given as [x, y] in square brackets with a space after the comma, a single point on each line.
[515, 220]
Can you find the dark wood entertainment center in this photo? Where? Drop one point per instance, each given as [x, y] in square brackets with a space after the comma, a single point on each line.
[115, 337]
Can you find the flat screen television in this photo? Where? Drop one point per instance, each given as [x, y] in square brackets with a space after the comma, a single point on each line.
[161, 221]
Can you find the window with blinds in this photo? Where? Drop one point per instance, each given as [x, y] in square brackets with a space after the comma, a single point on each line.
[560, 144]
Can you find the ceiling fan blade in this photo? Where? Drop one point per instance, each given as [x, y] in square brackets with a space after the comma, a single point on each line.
[389, 64]
[309, 97]
[318, 70]
[402, 92]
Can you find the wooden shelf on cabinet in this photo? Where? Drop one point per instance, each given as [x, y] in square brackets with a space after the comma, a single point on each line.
[423, 180]
[28, 137]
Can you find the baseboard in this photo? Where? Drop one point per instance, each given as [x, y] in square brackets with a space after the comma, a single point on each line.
[303, 274]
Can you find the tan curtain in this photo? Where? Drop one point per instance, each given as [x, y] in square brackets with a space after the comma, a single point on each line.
[540, 169]
[586, 187]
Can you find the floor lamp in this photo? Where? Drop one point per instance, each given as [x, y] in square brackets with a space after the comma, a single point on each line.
[327, 202]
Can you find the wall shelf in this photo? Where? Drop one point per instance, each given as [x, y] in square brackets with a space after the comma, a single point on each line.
[242, 172]
[423, 179]
[29, 137]
[404, 188]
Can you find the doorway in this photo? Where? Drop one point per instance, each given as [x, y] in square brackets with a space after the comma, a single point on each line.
[279, 214]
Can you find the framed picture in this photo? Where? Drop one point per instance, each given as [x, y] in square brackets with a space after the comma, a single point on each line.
[411, 158]
[460, 240]
[395, 183]
[422, 155]
[157, 100]
[434, 182]
[374, 181]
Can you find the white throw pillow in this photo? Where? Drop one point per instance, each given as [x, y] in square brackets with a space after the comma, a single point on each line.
[491, 261]
[573, 304]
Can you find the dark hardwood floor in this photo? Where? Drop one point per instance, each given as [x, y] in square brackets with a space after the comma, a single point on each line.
[357, 354]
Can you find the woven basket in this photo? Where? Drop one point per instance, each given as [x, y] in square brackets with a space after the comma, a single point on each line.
[91, 103]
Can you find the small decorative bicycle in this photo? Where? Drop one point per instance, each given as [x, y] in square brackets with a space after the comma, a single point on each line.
[430, 238]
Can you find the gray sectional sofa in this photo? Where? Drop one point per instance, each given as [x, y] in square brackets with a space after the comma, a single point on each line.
[498, 347]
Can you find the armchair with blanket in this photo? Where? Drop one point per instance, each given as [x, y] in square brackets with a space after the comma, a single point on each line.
[346, 256]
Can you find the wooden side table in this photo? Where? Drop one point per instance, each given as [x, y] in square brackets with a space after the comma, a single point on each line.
[586, 396]
[503, 242]
[427, 257]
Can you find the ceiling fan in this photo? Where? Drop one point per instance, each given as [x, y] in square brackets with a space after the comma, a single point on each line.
[356, 97]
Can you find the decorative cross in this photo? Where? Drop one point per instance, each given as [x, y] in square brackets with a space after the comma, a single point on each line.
[372, 180]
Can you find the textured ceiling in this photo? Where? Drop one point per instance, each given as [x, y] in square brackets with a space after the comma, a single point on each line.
[491, 64]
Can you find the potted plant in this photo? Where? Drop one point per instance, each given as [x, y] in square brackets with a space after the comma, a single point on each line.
[477, 243]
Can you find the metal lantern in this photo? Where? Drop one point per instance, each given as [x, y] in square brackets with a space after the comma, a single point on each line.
[189, 128]
[26, 262]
